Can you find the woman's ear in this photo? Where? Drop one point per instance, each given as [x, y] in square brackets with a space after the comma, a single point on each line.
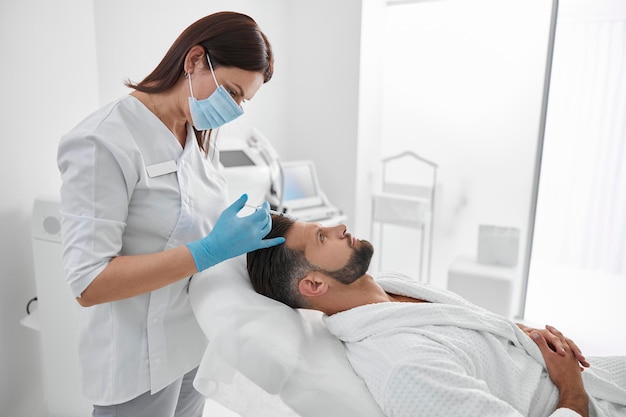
[313, 285]
[194, 58]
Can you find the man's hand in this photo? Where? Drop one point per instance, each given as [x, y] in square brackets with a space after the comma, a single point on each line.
[564, 369]
[557, 342]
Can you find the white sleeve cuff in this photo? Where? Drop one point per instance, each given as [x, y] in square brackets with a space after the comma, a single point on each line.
[565, 412]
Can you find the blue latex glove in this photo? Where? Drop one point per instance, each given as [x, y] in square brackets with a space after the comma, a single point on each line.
[233, 236]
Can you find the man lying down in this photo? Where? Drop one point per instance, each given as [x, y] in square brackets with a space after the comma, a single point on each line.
[427, 352]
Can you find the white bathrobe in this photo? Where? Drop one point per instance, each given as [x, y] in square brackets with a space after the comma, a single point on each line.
[452, 358]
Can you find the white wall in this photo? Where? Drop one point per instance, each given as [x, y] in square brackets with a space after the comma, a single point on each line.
[370, 111]
[324, 57]
[48, 83]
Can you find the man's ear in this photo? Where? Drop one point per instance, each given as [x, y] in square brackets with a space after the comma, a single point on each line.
[313, 285]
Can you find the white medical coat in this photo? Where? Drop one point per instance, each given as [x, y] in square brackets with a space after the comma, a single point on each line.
[117, 200]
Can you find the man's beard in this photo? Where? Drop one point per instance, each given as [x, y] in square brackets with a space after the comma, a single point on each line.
[357, 265]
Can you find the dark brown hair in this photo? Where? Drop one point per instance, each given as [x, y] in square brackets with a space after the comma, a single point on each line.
[275, 272]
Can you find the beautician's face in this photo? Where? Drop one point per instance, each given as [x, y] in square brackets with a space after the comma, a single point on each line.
[332, 249]
[242, 85]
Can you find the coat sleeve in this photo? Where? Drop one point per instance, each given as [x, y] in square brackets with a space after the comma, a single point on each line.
[97, 180]
[444, 389]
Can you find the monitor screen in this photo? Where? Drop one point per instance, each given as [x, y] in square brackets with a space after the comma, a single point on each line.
[299, 182]
[235, 158]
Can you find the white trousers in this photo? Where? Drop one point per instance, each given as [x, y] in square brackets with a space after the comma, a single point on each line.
[179, 399]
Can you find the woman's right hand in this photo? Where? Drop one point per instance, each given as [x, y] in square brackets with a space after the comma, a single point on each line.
[233, 235]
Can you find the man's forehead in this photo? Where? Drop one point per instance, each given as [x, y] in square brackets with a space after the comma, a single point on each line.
[298, 235]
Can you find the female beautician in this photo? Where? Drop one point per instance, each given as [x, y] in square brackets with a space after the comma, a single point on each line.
[144, 208]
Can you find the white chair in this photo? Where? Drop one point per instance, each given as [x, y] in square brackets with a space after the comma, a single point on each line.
[267, 359]
[406, 199]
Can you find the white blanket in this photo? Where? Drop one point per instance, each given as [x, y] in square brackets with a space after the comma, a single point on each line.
[450, 358]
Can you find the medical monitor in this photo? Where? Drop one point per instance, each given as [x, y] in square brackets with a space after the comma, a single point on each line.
[244, 170]
[301, 188]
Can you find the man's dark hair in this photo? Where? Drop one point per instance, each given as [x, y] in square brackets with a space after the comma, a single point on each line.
[276, 271]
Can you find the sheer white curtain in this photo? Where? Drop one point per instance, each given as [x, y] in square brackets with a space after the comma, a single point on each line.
[581, 212]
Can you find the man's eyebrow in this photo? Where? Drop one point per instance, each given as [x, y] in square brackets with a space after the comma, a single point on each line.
[317, 230]
[310, 234]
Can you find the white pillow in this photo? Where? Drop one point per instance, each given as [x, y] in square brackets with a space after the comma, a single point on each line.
[256, 342]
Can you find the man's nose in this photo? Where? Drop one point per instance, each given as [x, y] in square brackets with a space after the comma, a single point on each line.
[339, 230]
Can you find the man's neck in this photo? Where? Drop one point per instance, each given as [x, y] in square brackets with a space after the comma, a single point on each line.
[364, 290]
[404, 299]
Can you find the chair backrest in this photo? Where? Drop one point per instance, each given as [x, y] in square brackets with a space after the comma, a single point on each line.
[408, 174]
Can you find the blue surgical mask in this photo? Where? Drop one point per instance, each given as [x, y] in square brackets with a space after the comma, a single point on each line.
[214, 111]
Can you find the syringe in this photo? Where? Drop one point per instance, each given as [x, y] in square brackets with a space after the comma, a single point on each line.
[274, 212]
